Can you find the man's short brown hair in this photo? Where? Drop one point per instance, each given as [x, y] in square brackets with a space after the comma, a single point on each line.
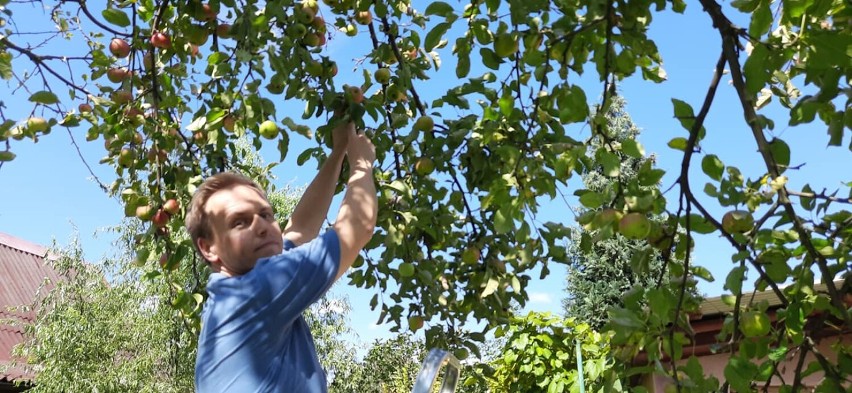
[196, 218]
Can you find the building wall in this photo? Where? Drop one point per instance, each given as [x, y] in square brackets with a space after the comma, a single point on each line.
[714, 364]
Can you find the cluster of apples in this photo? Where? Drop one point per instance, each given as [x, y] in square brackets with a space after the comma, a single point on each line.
[158, 216]
[306, 26]
[33, 127]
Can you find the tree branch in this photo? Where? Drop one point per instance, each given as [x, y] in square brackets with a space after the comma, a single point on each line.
[401, 61]
[729, 34]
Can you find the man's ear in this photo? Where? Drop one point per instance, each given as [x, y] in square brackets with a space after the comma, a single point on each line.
[208, 250]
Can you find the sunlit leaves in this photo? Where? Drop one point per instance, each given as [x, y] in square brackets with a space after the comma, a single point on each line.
[712, 166]
[5, 65]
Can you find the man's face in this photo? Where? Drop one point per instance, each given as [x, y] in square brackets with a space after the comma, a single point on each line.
[243, 230]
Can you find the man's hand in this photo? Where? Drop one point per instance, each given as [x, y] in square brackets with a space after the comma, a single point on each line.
[360, 150]
[341, 135]
[358, 211]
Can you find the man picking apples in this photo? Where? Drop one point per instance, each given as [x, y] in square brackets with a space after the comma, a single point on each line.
[253, 336]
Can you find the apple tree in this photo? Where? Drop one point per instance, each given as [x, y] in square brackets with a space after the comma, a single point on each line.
[464, 168]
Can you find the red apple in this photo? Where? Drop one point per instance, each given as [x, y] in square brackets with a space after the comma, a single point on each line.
[161, 40]
[161, 218]
[319, 24]
[354, 94]
[364, 17]
[228, 123]
[171, 206]
[223, 30]
[207, 12]
[84, 108]
[119, 48]
[117, 75]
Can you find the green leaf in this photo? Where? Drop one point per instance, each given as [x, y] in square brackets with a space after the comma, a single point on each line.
[5, 65]
[781, 153]
[713, 167]
[490, 287]
[506, 104]
[698, 223]
[591, 200]
[734, 281]
[44, 97]
[632, 148]
[610, 163]
[503, 223]
[434, 36]
[463, 66]
[808, 203]
[116, 17]
[700, 271]
[6, 156]
[572, 105]
[625, 318]
[684, 113]
[678, 143]
[490, 59]
[439, 8]
[761, 20]
[740, 373]
[754, 69]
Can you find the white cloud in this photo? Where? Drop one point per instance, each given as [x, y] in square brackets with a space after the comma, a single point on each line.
[540, 297]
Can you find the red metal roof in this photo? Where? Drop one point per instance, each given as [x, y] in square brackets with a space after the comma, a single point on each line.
[23, 272]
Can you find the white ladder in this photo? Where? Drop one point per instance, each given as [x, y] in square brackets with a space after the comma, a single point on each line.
[432, 364]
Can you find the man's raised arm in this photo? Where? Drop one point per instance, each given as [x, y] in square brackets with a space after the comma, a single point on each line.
[312, 209]
[357, 217]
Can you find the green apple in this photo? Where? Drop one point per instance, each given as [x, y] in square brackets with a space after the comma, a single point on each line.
[754, 323]
[305, 15]
[471, 255]
[406, 269]
[424, 123]
[144, 212]
[311, 39]
[634, 226]
[424, 166]
[415, 323]
[268, 129]
[382, 75]
[296, 31]
[37, 124]
[350, 30]
[126, 157]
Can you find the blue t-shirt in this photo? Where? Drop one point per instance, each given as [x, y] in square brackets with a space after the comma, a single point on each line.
[253, 336]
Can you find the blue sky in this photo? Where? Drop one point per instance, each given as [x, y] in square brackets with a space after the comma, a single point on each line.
[47, 192]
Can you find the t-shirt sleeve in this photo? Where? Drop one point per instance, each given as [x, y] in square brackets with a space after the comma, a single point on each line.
[301, 275]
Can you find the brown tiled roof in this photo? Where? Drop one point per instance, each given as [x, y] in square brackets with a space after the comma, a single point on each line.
[715, 306]
[24, 272]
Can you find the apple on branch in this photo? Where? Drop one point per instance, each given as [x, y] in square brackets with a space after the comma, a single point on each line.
[119, 48]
